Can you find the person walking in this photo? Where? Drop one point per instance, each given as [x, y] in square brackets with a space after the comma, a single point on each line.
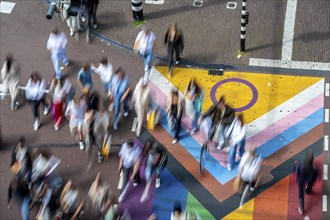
[175, 110]
[34, 93]
[156, 160]
[59, 89]
[306, 177]
[73, 21]
[90, 12]
[194, 93]
[129, 164]
[236, 133]
[85, 76]
[120, 91]
[105, 72]
[56, 44]
[75, 112]
[142, 103]
[10, 75]
[175, 43]
[145, 46]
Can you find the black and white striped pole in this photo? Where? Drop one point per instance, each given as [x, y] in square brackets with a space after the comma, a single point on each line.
[137, 9]
[244, 22]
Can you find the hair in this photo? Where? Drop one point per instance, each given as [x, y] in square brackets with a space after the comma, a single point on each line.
[55, 31]
[222, 100]
[104, 60]
[120, 70]
[35, 75]
[177, 207]
[241, 118]
[85, 66]
[9, 59]
[21, 140]
[130, 143]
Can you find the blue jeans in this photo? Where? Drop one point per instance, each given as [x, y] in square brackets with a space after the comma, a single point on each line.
[117, 108]
[25, 209]
[196, 117]
[57, 56]
[147, 59]
[232, 153]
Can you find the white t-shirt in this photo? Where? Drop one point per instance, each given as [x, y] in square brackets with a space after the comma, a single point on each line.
[146, 42]
[129, 155]
[105, 72]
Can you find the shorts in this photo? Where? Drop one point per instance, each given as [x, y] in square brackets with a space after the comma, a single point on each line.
[76, 123]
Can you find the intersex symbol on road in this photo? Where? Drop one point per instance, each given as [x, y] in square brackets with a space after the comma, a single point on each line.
[250, 85]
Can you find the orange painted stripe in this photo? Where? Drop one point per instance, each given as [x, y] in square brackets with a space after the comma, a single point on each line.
[273, 203]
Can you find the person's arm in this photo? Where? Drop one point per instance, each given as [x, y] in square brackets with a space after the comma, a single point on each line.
[136, 167]
[41, 89]
[76, 214]
[28, 91]
[79, 80]
[10, 194]
[166, 36]
[138, 42]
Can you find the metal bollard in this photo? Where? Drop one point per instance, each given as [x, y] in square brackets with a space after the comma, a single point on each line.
[51, 10]
[137, 9]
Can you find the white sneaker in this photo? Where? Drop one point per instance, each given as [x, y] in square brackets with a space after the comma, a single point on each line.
[126, 114]
[144, 197]
[46, 111]
[146, 68]
[36, 125]
[229, 168]
[175, 141]
[83, 19]
[135, 184]
[157, 183]
[121, 198]
[71, 33]
[81, 145]
[56, 127]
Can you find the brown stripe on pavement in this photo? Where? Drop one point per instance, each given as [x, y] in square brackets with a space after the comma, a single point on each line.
[219, 191]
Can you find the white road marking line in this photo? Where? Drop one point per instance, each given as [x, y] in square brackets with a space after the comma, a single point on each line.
[326, 115]
[289, 64]
[326, 143]
[324, 203]
[327, 85]
[290, 17]
[154, 2]
[6, 7]
[325, 171]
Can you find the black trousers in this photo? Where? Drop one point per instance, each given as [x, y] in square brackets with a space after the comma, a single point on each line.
[35, 106]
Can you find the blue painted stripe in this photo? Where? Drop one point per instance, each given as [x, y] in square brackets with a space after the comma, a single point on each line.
[171, 190]
[219, 172]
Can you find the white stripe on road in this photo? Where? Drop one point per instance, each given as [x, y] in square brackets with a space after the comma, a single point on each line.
[325, 171]
[327, 89]
[286, 108]
[290, 64]
[326, 115]
[326, 143]
[290, 17]
[325, 203]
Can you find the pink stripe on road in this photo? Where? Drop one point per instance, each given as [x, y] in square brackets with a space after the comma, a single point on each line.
[286, 122]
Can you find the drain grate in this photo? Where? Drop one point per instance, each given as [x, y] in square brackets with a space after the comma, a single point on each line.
[216, 72]
[198, 3]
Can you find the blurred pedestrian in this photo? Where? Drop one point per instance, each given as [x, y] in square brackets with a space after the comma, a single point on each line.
[34, 93]
[178, 213]
[174, 41]
[105, 72]
[90, 13]
[194, 93]
[142, 102]
[75, 112]
[73, 21]
[56, 44]
[129, 164]
[18, 189]
[82, 10]
[10, 75]
[306, 177]
[145, 46]
[226, 119]
[71, 201]
[236, 133]
[59, 89]
[85, 76]
[175, 110]
[156, 161]
[120, 92]
[21, 163]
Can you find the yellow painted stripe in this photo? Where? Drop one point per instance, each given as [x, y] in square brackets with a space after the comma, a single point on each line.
[245, 212]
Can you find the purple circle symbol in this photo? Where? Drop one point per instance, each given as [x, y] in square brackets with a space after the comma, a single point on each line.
[250, 85]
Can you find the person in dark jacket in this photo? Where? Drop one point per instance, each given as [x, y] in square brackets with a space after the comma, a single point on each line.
[174, 41]
[21, 163]
[18, 189]
[306, 176]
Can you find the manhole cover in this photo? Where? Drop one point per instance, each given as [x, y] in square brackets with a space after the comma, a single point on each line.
[231, 5]
[216, 72]
[198, 3]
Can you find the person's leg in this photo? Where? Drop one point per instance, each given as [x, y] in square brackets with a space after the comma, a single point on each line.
[25, 210]
[126, 172]
[311, 181]
[117, 112]
[126, 106]
[194, 126]
[231, 158]
[177, 53]
[56, 63]
[301, 196]
[177, 128]
[147, 61]
[64, 57]
[13, 91]
[69, 22]
[36, 104]
[221, 140]
[136, 178]
[241, 148]
[139, 113]
[170, 52]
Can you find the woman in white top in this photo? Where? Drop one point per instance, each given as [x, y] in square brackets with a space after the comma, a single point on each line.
[34, 93]
[10, 74]
[75, 112]
[105, 72]
[59, 89]
[236, 132]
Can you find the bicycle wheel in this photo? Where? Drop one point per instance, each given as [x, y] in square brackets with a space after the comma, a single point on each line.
[245, 194]
[202, 159]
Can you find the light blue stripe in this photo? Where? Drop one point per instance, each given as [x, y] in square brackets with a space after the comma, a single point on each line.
[219, 172]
